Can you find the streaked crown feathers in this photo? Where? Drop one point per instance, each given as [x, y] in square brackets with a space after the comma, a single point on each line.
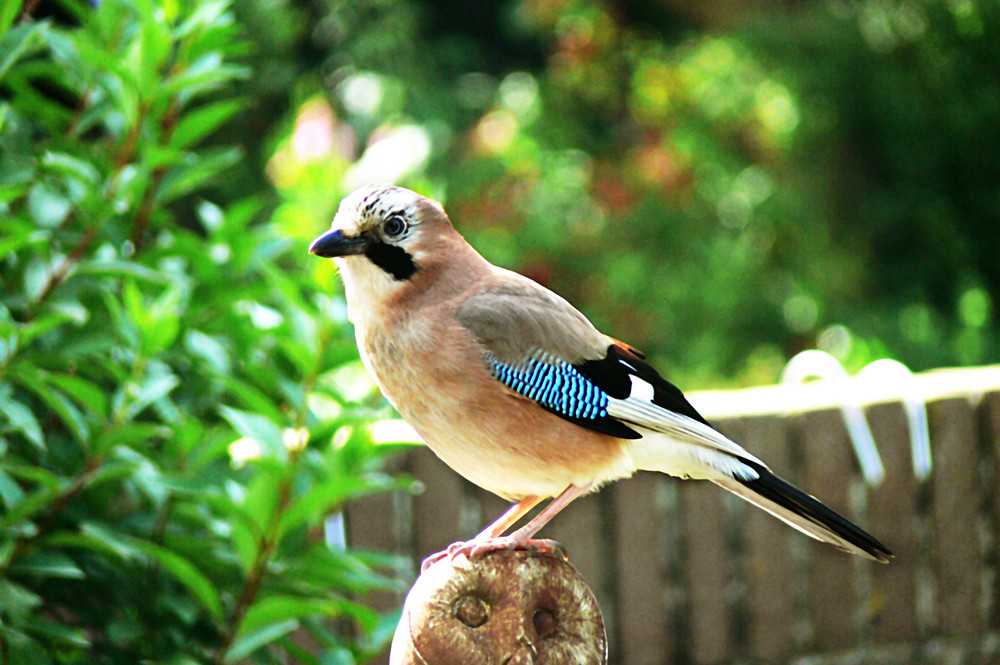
[369, 206]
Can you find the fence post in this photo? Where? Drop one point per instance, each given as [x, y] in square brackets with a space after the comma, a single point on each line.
[829, 465]
[892, 513]
[768, 565]
[708, 567]
[644, 626]
[958, 566]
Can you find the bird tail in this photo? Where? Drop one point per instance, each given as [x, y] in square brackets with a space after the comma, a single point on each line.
[801, 511]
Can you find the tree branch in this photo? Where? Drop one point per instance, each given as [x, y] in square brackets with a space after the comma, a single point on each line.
[60, 274]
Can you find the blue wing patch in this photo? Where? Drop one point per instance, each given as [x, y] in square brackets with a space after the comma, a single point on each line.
[555, 385]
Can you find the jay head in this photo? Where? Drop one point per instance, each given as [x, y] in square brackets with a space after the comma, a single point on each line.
[516, 390]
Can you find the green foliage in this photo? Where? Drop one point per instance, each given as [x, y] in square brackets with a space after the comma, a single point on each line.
[169, 391]
[722, 185]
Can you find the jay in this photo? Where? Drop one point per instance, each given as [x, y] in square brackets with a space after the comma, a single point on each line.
[516, 390]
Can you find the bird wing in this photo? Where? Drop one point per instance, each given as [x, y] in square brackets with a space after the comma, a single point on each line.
[513, 316]
[542, 348]
[533, 343]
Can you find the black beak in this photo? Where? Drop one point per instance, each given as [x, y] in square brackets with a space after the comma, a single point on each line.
[335, 243]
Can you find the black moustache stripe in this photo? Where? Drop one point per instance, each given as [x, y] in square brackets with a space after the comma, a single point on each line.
[392, 259]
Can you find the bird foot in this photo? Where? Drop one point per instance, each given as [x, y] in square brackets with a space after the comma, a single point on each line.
[475, 548]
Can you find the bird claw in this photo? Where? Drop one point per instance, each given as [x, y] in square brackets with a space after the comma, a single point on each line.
[473, 549]
[432, 559]
[477, 548]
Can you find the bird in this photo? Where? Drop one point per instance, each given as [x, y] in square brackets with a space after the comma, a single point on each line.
[516, 390]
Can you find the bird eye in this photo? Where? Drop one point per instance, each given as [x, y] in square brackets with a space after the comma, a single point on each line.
[394, 226]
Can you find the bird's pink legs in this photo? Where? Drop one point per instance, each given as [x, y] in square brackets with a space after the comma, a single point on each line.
[522, 536]
[491, 538]
[509, 518]
[504, 522]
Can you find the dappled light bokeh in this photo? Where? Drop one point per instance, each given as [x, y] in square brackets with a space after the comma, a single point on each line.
[722, 188]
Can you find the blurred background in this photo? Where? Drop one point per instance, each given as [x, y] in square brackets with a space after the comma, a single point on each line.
[183, 416]
[721, 185]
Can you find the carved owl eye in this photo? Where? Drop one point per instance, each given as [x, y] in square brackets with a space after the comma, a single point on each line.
[471, 611]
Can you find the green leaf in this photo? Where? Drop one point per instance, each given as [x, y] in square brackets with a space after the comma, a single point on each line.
[244, 532]
[20, 173]
[209, 349]
[116, 268]
[57, 632]
[342, 656]
[247, 644]
[381, 634]
[10, 492]
[85, 393]
[130, 434]
[76, 168]
[16, 41]
[49, 563]
[32, 474]
[205, 16]
[195, 173]
[302, 355]
[36, 276]
[152, 388]
[135, 305]
[49, 321]
[199, 123]
[354, 572]
[278, 609]
[21, 419]
[130, 185]
[257, 428]
[16, 600]
[29, 506]
[146, 475]
[291, 296]
[101, 54]
[210, 447]
[187, 574]
[21, 236]
[31, 378]
[163, 322]
[206, 73]
[112, 471]
[8, 11]
[47, 206]
[92, 542]
[252, 397]
[116, 542]
[261, 499]
[152, 50]
[70, 310]
[317, 503]
[297, 653]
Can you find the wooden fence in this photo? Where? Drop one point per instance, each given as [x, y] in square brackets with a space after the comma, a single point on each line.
[687, 574]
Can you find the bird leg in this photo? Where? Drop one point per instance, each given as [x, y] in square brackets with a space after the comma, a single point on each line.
[504, 522]
[491, 538]
[523, 536]
[509, 518]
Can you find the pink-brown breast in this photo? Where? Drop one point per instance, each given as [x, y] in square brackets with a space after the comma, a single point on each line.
[433, 371]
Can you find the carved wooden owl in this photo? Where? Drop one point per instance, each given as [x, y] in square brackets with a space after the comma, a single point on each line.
[507, 608]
